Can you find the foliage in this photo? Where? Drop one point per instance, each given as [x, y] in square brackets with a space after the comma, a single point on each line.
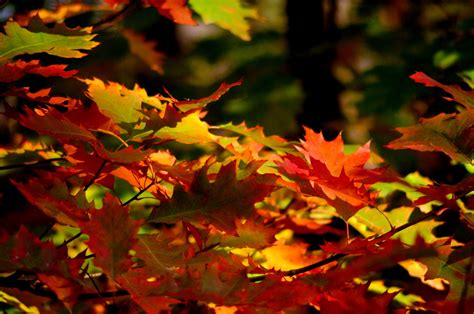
[133, 201]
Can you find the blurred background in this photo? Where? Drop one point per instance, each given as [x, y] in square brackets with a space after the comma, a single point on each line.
[332, 65]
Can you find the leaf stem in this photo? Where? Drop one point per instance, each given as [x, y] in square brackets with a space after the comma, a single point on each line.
[338, 256]
[135, 197]
[70, 240]
[96, 175]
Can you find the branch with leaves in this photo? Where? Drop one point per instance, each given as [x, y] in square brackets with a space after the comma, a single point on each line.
[215, 216]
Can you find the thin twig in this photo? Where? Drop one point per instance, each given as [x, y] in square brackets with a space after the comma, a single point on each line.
[89, 256]
[47, 230]
[430, 214]
[114, 16]
[104, 295]
[70, 240]
[96, 175]
[304, 269]
[28, 164]
[207, 248]
[96, 287]
[138, 194]
[338, 256]
[43, 291]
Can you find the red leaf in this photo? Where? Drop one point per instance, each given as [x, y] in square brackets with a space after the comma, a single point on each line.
[53, 197]
[451, 134]
[25, 251]
[175, 10]
[186, 105]
[219, 202]
[13, 71]
[111, 235]
[52, 122]
[465, 98]
[344, 301]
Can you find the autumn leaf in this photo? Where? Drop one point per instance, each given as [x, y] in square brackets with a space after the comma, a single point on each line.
[454, 270]
[67, 44]
[326, 171]
[52, 122]
[53, 197]
[218, 203]
[190, 130]
[40, 96]
[111, 234]
[465, 98]
[127, 155]
[25, 251]
[378, 222]
[117, 102]
[63, 11]
[228, 14]
[145, 50]
[344, 301]
[386, 255]
[13, 71]
[249, 234]
[175, 10]
[450, 134]
[273, 142]
[284, 257]
[186, 105]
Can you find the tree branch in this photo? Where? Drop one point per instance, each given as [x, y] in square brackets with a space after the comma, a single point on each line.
[15, 281]
[138, 194]
[338, 256]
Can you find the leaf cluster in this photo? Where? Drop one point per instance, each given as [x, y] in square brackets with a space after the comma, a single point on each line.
[124, 221]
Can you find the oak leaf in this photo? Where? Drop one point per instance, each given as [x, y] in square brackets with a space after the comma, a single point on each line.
[14, 71]
[111, 235]
[52, 122]
[451, 134]
[61, 42]
[228, 14]
[465, 98]
[145, 50]
[175, 10]
[219, 202]
[117, 102]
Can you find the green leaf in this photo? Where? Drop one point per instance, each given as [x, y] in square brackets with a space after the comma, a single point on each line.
[250, 234]
[442, 266]
[274, 142]
[447, 133]
[228, 14]
[18, 40]
[378, 223]
[190, 130]
[117, 102]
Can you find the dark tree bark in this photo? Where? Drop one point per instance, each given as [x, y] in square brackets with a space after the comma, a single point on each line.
[312, 34]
